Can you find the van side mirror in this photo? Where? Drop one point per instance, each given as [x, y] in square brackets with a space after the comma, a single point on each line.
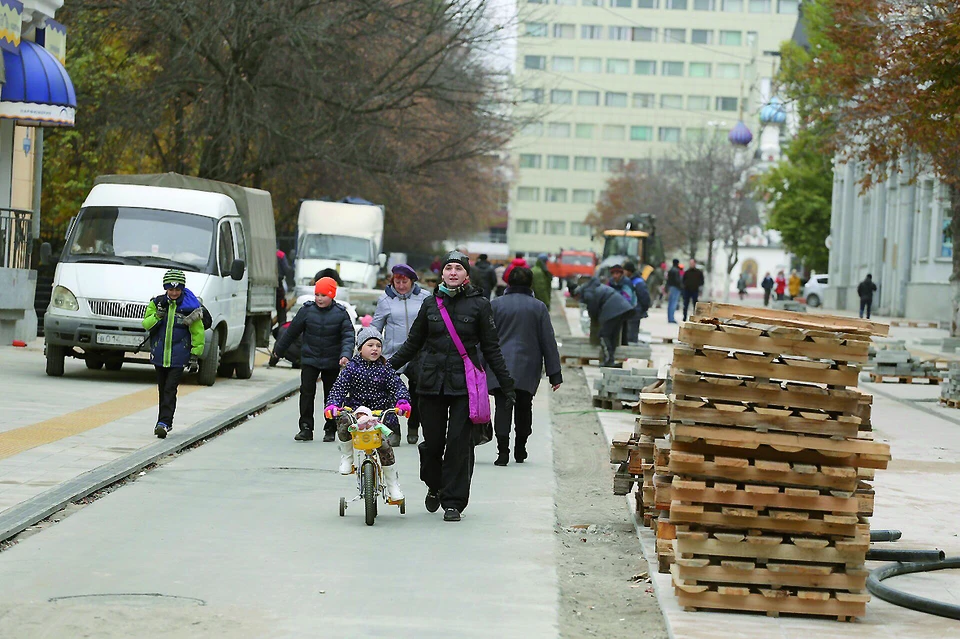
[382, 258]
[237, 269]
[46, 252]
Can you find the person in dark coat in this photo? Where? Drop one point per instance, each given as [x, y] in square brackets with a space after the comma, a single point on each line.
[529, 346]
[446, 452]
[865, 290]
[674, 286]
[483, 275]
[767, 286]
[328, 336]
[692, 283]
[610, 310]
[642, 296]
[284, 283]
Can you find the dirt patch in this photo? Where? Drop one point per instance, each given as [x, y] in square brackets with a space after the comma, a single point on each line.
[604, 587]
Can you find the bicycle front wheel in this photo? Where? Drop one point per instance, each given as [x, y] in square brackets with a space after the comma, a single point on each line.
[369, 472]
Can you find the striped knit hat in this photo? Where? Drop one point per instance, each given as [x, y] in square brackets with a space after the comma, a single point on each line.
[175, 277]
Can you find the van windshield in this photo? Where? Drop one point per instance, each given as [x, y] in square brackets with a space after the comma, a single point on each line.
[151, 237]
[336, 247]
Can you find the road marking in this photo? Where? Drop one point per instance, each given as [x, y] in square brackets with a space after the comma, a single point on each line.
[51, 430]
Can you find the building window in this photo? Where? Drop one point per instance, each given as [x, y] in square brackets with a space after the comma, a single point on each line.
[591, 31]
[581, 163]
[645, 67]
[588, 98]
[585, 131]
[614, 131]
[584, 196]
[536, 29]
[704, 5]
[527, 227]
[561, 96]
[619, 33]
[566, 3]
[946, 233]
[671, 101]
[530, 161]
[727, 104]
[621, 4]
[644, 101]
[555, 195]
[558, 130]
[788, 7]
[644, 34]
[528, 193]
[674, 69]
[537, 2]
[700, 69]
[678, 5]
[673, 36]
[669, 134]
[926, 217]
[532, 95]
[553, 227]
[532, 129]
[731, 6]
[591, 65]
[641, 133]
[563, 64]
[618, 66]
[701, 36]
[564, 31]
[696, 135]
[642, 165]
[612, 165]
[731, 38]
[698, 103]
[618, 100]
[760, 6]
[579, 229]
[558, 162]
[538, 62]
[587, 3]
[728, 71]
[648, 4]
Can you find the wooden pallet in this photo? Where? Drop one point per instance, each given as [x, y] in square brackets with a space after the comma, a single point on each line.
[762, 419]
[608, 403]
[738, 571]
[764, 366]
[774, 602]
[760, 496]
[952, 403]
[767, 547]
[775, 340]
[914, 324]
[655, 427]
[905, 379]
[764, 393]
[814, 321]
[654, 405]
[715, 516]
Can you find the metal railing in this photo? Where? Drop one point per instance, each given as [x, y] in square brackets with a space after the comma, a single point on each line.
[16, 234]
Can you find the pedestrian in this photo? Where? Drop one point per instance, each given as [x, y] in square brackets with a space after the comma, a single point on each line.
[622, 285]
[742, 286]
[609, 310]
[674, 286]
[793, 286]
[284, 279]
[643, 301]
[328, 337]
[767, 286]
[692, 283]
[501, 284]
[175, 322]
[542, 280]
[865, 290]
[446, 452]
[519, 260]
[369, 381]
[654, 283]
[529, 346]
[435, 265]
[483, 276]
[396, 309]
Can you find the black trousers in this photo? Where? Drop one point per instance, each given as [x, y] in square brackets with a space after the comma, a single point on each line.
[766, 297]
[167, 381]
[610, 333]
[865, 304]
[687, 298]
[446, 452]
[521, 415]
[308, 394]
[413, 424]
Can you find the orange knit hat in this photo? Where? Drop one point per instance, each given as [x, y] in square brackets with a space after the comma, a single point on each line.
[326, 286]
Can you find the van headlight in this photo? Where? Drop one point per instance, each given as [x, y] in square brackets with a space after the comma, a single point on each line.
[63, 299]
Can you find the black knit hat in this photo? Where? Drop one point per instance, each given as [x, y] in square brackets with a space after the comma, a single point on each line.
[458, 257]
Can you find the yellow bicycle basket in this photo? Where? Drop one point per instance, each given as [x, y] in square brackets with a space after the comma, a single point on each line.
[367, 439]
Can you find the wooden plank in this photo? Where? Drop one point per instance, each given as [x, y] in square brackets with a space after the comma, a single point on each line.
[779, 550]
[745, 518]
[811, 397]
[790, 575]
[792, 319]
[767, 459]
[760, 422]
[687, 360]
[759, 603]
[842, 351]
[687, 491]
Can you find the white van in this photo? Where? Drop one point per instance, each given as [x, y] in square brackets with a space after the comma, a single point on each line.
[129, 231]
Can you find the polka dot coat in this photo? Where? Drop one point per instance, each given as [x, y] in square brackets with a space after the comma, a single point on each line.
[372, 384]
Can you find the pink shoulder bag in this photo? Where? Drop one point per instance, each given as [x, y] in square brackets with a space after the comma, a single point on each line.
[476, 377]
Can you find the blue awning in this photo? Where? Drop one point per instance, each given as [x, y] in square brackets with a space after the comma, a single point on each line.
[37, 91]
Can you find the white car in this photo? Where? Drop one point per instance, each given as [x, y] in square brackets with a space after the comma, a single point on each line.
[814, 288]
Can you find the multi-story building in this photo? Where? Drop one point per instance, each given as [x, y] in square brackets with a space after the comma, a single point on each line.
[612, 81]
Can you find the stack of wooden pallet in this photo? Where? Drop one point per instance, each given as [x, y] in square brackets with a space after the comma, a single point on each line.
[950, 389]
[634, 452]
[579, 351]
[770, 456]
[620, 388]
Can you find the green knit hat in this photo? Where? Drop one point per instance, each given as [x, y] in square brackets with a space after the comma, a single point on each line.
[175, 277]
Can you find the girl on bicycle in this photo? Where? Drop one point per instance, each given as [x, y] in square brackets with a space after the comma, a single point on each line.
[369, 381]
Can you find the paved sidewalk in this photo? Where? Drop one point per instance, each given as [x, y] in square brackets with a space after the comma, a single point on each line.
[55, 429]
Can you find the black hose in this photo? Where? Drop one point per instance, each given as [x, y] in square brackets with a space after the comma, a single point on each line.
[891, 554]
[900, 598]
[885, 535]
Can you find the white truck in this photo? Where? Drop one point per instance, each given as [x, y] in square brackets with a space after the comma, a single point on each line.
[344, 236]
[129, 231]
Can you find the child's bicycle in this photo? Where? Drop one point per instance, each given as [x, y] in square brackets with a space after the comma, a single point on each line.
[369, 471]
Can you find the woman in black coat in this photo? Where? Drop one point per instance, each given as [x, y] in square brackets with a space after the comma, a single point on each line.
[446, 453]
[528, 345]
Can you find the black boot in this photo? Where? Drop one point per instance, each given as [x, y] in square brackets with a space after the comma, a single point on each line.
[520, 453]
[503, 451]
[305, 435]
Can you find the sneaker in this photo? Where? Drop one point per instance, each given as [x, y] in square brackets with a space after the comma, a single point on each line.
[327, 435]
[161, 430]
[451, 514]
[305, 435]
[432, 501]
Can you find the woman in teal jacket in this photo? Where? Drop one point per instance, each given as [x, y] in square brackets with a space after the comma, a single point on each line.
[175, 322]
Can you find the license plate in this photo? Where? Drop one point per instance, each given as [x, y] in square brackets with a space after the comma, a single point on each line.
[119, 340]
